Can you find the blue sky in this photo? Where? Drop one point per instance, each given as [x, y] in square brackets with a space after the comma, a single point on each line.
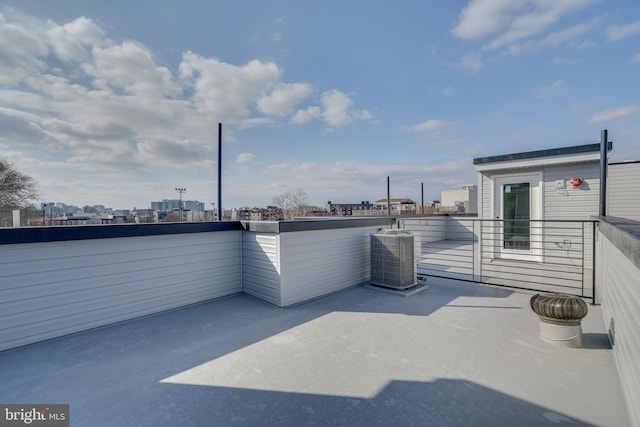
[117, 103]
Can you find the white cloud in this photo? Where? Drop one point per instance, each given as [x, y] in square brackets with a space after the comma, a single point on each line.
[484, 17]
[471, 61]
[176, 153]
[430, 125]
[349, 181]
[334, 110]
[72, 41]
[130, 67]
[616, 114]
[305, 116]
[574, 108]
[513, 22]
[244, 158]
[223, 90]
[622, 31]
[569, 34]
[565, 61]
[283, 98]
[535, 18]
[448, 91]
[21, 52]
[586, 44]
[636, 58]
[543, 91]
[110, 104]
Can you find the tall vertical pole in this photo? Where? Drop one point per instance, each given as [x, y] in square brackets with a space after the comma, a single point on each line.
[422, 198]
[603, 171]
[219, 171]
[180, 208]
[388, 199]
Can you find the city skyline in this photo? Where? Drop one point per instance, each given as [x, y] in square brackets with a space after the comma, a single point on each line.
[118, 103]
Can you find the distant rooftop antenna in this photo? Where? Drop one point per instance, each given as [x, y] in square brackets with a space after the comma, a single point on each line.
[388, 199]
[219, 171]
[604, 145]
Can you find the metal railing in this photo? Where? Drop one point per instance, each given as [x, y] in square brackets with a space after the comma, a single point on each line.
[539, 255]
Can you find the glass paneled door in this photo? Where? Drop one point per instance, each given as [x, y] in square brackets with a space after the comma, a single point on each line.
[518, 204]
[516, 214]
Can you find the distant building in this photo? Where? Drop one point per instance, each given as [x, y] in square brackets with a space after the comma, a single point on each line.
[349, 209]
[173, 205]
[270, 213]
[71, 220]
[166, 205]
[462, 200]
[398, 206]
[144, 215]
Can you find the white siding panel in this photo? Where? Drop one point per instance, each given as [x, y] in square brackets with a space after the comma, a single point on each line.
[430, 230]
[623, 190]
[261, 266]
[55, 288]
[572, 203]
[487, 197]
[621, 311]
[320, 262]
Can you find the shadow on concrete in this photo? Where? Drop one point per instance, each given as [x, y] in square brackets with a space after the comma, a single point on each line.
[443, 402]
[595, 341]
[111, 375]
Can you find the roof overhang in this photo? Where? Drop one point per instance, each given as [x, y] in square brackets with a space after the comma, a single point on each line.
[557, 156]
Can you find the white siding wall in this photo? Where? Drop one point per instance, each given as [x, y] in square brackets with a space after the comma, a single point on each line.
[621, 310]
[261, 266]
[56, 288]
[429, 229]
[486, 196]
[572, 203]
[461, 229]
[623, 190]
[316, 263]
[567, 203]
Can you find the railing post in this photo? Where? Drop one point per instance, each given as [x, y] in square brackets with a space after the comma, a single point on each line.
[593, 260]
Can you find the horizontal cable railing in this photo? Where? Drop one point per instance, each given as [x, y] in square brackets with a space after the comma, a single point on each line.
[541, 255]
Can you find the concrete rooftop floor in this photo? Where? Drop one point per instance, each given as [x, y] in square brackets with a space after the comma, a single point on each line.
[457, 354]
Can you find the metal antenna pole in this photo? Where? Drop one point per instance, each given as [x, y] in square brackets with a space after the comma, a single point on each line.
[181, 190]
[603, 171]
[388, 199]
[219, 171]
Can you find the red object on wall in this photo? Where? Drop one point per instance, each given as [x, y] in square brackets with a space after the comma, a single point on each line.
[576, 182]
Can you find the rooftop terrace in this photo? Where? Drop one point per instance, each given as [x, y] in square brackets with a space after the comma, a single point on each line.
[217, 349]
[457, 354]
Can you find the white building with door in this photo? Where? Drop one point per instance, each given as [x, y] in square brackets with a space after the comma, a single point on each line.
[519, 193]
[560, 183]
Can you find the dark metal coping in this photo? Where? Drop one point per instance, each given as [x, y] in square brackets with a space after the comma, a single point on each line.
[541, 153]
[624, 234]
[626, 162]
[316, 224]
[110, 231]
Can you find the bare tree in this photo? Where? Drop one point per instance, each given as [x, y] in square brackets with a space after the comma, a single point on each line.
[293, 203]
[171, 217]
[16, 188]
